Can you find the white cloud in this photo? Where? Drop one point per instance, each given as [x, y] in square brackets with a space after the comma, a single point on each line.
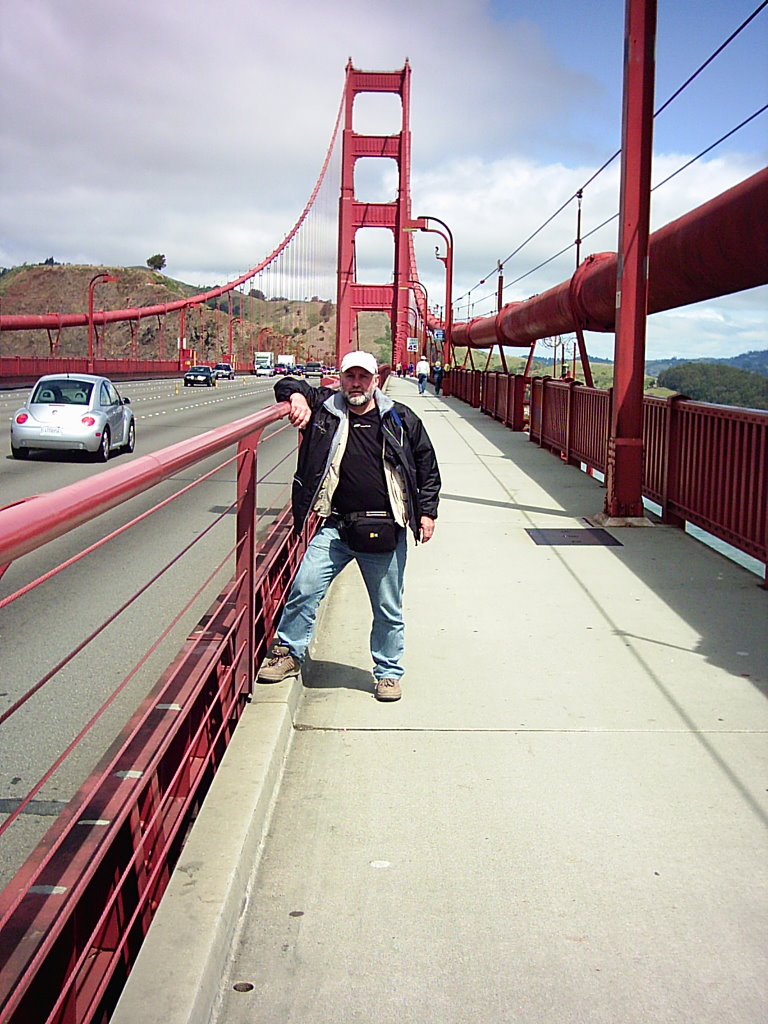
[198, 130]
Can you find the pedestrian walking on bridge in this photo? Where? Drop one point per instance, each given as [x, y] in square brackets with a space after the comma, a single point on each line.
[366, 466]
[422, 373]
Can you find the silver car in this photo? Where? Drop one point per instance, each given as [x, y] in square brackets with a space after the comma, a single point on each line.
[73, 413]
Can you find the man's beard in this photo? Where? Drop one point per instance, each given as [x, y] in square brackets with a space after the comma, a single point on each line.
[360, 399]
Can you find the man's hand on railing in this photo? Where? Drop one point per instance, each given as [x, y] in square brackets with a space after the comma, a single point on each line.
[300, 412]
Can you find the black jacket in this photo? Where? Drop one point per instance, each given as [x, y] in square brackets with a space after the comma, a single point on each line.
[406, 445]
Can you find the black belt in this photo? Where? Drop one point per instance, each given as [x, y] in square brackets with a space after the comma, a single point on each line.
[339, 518]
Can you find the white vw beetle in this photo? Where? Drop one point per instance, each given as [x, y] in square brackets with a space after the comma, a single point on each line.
[73, 413]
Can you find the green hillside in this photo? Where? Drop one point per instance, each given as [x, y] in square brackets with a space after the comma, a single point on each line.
[722, 385]
[304, 328]
[754, 362]
[703, 380]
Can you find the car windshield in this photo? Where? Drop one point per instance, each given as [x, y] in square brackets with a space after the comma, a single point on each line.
[200, 369]
[67, 391]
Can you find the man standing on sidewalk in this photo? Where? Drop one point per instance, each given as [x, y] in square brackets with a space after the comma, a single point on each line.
[368, 469]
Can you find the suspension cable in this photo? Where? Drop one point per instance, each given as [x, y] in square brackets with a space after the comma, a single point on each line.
[722, 138]
[712, 56]
[614, 216]
[610, 160]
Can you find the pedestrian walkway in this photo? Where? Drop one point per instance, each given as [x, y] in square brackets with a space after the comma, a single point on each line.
[564, 818]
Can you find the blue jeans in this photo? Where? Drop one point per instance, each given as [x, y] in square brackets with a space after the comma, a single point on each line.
[422, 383]
[383, 576]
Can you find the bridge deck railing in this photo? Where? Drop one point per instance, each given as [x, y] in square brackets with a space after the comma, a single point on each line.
[23, 371]
[703, 464]
[74, 915]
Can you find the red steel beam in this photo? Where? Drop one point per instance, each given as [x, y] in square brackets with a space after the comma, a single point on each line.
[717, 249]
[624, 479]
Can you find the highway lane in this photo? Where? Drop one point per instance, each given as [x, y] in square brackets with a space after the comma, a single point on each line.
[37, 629]
[165, 412]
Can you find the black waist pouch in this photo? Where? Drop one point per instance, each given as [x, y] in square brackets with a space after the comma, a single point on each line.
[370, 532]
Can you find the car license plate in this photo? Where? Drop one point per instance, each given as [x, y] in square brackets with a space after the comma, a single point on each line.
[50, 430]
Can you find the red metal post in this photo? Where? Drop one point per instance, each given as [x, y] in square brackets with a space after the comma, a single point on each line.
[625, 443]
[232, 322]
[182, 331]
[161, 337]
[671, 461]
[246, 550]
[529, 361]
[91, 285]
[229, 329]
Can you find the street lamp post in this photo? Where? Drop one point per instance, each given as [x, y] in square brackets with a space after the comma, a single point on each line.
[422, 224]
[407, 287]
[232, 322]
[414, 310]
[423, 287]
[105, 278]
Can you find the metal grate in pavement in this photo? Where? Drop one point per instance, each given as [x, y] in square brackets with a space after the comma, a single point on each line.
[574, 538]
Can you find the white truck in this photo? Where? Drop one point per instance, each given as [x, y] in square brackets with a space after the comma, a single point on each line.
[289, 361]
[263, 363]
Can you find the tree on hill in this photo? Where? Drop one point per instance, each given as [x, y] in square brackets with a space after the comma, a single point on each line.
[721, 385]
[754, 361]
[156, 262]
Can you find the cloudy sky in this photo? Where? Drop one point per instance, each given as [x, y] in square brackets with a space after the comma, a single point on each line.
[197, 129]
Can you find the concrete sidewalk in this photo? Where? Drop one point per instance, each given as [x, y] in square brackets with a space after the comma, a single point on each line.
[564, 819]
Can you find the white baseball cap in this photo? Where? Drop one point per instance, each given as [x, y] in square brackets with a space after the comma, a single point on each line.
[362, 359]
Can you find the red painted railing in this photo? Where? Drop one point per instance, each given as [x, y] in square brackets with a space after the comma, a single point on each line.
[466, 385]
[703, 464]
[719, 480]
[23, 371]
[590, 420]
[75, 914]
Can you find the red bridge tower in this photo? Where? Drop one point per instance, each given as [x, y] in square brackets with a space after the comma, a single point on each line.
[354, 298]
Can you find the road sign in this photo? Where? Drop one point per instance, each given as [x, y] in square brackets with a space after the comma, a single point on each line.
[413, 344]
[439, 335]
